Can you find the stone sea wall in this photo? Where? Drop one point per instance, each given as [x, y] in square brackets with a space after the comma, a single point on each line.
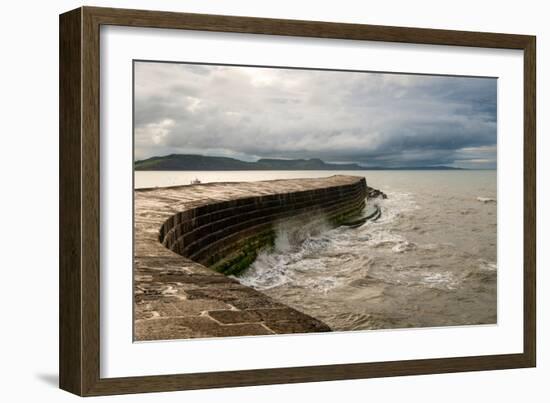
[226, 235]
[186, 237]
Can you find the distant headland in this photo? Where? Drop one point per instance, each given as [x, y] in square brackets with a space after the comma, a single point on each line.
[193, 162]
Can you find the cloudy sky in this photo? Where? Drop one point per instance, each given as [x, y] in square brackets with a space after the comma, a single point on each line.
[373, 119]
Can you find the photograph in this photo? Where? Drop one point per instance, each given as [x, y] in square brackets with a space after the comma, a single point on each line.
[274, 200]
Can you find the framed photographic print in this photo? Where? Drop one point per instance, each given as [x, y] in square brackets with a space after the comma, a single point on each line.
[249, 201]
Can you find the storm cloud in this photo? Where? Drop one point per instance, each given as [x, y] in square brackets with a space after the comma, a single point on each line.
[374, 119]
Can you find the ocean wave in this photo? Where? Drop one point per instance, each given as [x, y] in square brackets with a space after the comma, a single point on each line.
[445, 280]
[486, 199]
[487, 265]
[405, 246]
[420, 276]
[381, 239]
[296, 250]
[395, 206]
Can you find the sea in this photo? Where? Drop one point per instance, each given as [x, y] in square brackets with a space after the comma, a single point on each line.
[430, 260]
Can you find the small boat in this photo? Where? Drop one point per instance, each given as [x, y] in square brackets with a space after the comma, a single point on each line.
[195, 181]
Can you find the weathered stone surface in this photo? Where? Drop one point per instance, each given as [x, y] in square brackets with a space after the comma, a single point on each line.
[222, 224]
[182, 308]
[193, 327]
[257, 315]
[303, 325]
[259, 302]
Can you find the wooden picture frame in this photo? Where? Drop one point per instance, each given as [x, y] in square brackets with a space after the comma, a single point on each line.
[79, 348]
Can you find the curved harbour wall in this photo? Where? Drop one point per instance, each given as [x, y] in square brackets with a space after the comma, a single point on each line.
[187, 236]
[226, 235]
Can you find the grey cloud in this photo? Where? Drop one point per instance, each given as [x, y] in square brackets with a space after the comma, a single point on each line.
[369, 118]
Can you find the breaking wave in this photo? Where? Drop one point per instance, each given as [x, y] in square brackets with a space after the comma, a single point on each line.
[319, 258]
[486, 199]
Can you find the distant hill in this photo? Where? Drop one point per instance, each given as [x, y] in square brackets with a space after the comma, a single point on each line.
[192, 162]
[188, 162]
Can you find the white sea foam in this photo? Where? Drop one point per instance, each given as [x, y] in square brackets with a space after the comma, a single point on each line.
[404, 246]
[310, 256]
[486, 265]
[296, 245]
[486, 199]
[439, 280]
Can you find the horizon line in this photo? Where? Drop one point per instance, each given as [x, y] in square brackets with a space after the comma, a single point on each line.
[362, 167]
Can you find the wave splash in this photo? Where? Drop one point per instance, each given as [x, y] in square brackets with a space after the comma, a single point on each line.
[296, 243]
[317, 258]
[486, 200]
